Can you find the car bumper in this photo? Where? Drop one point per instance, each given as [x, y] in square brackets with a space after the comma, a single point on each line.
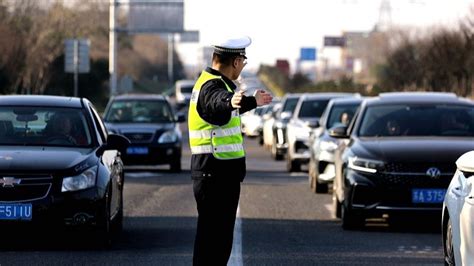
[366, 196]
[155, 154]
[78, 209]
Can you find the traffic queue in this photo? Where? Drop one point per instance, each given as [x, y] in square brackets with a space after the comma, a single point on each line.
[396, 156]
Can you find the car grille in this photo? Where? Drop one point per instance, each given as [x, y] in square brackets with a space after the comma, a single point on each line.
[414, 175]
[29, 188]
[139, 137]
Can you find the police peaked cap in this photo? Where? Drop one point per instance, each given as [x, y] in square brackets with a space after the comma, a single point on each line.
[233, 45]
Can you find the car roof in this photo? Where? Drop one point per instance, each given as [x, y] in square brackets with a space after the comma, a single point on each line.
[42, 100]
[346, 100]
[417, 97]
[185, 82]
[325, 95]
[140, 96]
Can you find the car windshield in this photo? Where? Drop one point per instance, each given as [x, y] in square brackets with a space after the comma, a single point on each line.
[43, 126]
[418, 120]
[341, 115]
[139, 111]
[312, 108]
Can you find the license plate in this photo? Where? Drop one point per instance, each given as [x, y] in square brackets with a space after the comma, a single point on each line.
[428, 195]
[137, 150]
[16, 211]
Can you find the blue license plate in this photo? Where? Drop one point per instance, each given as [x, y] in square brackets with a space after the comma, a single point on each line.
[137, 150]
[16, 211]
[428, 195]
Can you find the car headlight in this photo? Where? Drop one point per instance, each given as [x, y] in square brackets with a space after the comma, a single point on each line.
[302, 132]
[280, 125]
[328, 145]
[365, 165]
[84, 180]
[168, 137]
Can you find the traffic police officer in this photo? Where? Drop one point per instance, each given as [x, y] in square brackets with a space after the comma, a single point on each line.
[218, 156]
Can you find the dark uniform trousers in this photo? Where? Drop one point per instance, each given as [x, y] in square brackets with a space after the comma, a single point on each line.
[217, 202]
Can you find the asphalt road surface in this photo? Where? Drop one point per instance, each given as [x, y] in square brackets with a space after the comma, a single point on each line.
[280, 222]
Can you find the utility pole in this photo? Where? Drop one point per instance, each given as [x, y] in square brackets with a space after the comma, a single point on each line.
[113, 47]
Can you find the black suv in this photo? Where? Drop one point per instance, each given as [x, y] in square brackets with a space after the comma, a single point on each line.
[400, 155]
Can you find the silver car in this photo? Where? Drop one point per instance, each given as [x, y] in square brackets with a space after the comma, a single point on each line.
[308, 110]
[321, 169]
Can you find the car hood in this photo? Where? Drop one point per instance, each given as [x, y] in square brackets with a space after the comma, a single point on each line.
[412, 149]
[123, 128]
[47, 159]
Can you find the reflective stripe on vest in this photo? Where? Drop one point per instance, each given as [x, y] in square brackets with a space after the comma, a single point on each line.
[224, 142]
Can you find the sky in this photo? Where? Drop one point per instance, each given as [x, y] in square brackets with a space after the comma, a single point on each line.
[280, 28]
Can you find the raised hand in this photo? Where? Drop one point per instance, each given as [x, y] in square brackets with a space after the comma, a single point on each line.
[237, 98]
[262, 97]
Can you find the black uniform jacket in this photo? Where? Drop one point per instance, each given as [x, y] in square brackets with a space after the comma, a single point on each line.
[215, 108]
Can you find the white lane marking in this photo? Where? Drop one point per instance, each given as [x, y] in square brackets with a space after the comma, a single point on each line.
[236, 255]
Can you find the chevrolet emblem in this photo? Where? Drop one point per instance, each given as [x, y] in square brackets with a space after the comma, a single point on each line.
[9, 181]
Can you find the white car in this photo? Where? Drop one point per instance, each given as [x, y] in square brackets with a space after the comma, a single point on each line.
[458, 214]
[252, 122]
[268, 120]
[183, 90]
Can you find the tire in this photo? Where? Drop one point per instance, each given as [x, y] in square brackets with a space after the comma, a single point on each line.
[104, 225]
[336, 205]
[275, 155]
[311, 174]
[117, 222]
[320, 188]
[448, 245]
[350, 220]
[291, 165]
[175, 166]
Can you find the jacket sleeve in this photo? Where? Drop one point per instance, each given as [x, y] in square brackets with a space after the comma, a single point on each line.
[248, 103]
[214, 103]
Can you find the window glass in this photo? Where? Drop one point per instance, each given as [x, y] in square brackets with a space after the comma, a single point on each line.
[312, 108]
[418, 120]
[341, 115]
[45, 126]
[139, 111]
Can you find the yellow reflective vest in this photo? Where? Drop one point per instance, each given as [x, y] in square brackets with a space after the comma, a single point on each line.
[224, 142]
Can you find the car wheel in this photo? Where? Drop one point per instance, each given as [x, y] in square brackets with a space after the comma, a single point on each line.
[104, 225]
[117, 223]
[274, 151]
[448, 245]
[175, 166]
[320, 188]
[336, 205]
[350, 220]
[292, 165]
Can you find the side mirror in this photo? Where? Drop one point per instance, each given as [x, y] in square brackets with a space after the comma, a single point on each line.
[313, 124]
[285, 115]
[180, 117]
[339, 132]
[114, 142]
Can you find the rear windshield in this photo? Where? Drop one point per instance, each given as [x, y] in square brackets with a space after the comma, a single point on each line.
[139, 111]
[312, 108]
[418, 120]
[186, 88]
[23, 125]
